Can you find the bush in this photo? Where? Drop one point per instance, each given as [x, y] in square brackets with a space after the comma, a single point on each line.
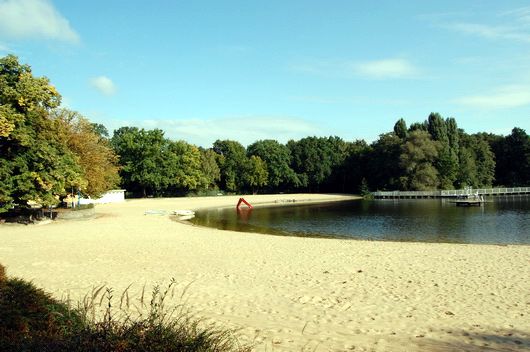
[31, 320]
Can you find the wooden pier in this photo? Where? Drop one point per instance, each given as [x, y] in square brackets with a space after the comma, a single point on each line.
[453, 193]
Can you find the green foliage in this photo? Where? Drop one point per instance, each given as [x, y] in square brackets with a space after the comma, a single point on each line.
[209, 168]
[31, 320]
[143, 155]
[453, 134]
[447, 166]
[315, 158]
[421, 126]
[467, 170]
[356, 166]
[445, 132]
[484, 160]
[277, 158]
[98, 162]
[417, 157]
[232, 159]
[36, 163]
[437, 128]
[383, 165]
[400, 129]
[100, 130]
[184, 166]
[153, 164]
[255, 174]
[513, 158]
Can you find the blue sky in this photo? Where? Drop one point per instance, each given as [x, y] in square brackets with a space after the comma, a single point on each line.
[249, 70]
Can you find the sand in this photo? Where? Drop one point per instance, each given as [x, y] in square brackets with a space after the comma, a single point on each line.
[289, 293]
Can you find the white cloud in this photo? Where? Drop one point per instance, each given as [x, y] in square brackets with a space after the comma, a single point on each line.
[521, 14]
[246, 130]
[389, 68]
[393, 68]
[502, 98]
[27, 19]
[492, 32]
[104, 85]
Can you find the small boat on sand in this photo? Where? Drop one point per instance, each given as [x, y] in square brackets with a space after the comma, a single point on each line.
[183, 214]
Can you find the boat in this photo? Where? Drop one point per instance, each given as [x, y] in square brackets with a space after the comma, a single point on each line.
[469, 200]
[183, 212]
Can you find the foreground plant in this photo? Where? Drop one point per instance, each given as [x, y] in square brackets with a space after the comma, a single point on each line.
[31, 320]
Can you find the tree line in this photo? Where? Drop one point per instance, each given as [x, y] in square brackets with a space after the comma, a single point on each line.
[434, 154]
[47, 152]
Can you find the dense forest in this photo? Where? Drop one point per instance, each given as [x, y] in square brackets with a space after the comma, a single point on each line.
[434, 154]
[47, 151]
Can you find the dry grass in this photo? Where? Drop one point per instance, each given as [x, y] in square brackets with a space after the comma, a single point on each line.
[31, 320]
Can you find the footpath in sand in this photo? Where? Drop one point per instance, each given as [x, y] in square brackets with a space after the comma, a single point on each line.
[289, 293]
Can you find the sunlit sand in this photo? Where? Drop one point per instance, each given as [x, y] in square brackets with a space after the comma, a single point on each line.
[289, 293]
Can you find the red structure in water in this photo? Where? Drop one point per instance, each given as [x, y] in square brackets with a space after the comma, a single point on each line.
[242, 200]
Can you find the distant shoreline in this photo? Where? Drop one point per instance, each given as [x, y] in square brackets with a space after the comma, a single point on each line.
[286, 200]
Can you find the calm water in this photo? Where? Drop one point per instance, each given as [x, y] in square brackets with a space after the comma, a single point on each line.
[504, 220]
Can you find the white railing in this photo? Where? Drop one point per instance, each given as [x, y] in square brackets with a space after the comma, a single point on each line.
[452, 192]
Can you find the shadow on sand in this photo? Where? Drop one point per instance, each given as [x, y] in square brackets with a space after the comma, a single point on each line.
[501, 340]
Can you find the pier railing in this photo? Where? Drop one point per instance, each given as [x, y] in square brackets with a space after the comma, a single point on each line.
[452, 193]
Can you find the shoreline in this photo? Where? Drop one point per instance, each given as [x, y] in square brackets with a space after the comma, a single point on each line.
[301, 202]
[289, 293]
[281, 199]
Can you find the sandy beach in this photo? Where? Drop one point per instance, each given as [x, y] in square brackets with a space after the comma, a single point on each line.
[289, 293]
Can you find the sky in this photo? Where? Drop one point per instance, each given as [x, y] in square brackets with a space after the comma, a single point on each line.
[250, 70]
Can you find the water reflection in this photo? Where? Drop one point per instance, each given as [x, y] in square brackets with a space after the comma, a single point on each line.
[243, 214]
[502, 220]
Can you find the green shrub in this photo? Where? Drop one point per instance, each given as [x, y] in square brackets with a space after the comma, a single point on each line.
[31, 320]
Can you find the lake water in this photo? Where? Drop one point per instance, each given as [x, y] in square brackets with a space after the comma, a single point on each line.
[503, 220]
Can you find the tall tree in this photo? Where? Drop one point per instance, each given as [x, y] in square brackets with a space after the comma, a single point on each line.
[513, 159]
[417, 157]
[35, 162]
[183, 167]
[453, 134]
[485, 161]
[210, 169]
[232, 160]
[421, 126]
[143, 155]
[314, 158]
[98, 162]
[100, 130]
[355, 167]
[447, 160]
[400, 129]
[383, 169]
[277, 157]
[338, 151]
[437, 128]
[255, 173]
[467, 171]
